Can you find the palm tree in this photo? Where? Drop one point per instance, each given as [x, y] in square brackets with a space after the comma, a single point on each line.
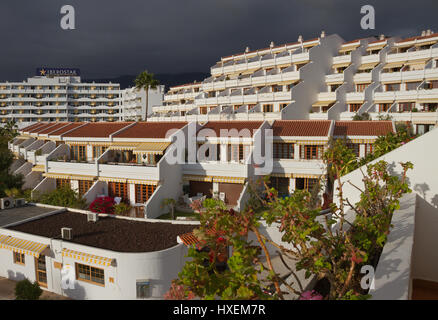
[146, 81]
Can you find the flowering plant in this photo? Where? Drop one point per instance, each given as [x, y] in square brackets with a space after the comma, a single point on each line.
[103, 205]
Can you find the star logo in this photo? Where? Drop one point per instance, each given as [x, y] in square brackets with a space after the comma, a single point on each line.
[43, 72]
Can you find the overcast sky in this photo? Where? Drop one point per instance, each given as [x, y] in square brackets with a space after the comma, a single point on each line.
[120, 37]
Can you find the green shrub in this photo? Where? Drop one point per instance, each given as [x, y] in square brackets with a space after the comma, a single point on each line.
[26, 290]
[63, 197]
[122, 208]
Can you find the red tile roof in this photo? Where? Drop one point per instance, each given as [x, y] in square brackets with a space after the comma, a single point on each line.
[150, 130]
[70, 126]
[32, 126]
[217, 126]
[301, 128]
[38, 129]
[362, 128]
[54, 128]
[97, 130]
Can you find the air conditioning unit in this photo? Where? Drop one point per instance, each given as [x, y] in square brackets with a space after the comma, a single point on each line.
[6, 203]
[92, 217]
[20, 202]
[67, 233]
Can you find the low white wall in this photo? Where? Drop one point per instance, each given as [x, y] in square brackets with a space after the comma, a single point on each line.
[393, 273]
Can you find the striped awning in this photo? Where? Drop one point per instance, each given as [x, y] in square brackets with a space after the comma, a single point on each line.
[152, 147]
[39, 168]
[86, 257]
[309, 176]
[110, 179]
[281, 175]
[394, 65]
[362, 140]
[322, 103]
[197, 178]
[349, 48]
[22, 246]
[124, 146]
[229, 180]
[312, 142]
[367, 66]
[355, 101]
[341, 64]
[145, 182]
[428, 100]
[69, 176]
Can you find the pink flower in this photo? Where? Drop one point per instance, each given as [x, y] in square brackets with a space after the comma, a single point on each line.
[311, 295]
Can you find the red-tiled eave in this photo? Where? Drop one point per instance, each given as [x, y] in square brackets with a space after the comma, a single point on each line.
[217, 126]
[301, 128]
[38, 129]
[150, 130]
[32, 126]
[66, 128]
[189, 239]
[362, 128]
[53, 128]
[275, 47]
[418, 38]
[97, 130]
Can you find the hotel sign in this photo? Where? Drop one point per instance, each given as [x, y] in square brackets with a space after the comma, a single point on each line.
[58, 72]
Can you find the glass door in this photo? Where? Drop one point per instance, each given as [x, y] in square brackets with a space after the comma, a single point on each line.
[41, 272]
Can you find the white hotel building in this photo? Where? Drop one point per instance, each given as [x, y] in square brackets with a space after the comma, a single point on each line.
[66, 98]
[325, 78]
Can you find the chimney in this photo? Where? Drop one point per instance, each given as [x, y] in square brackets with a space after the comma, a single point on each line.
[428, 33]
[382, 37]
[272, 44]
[423, 33]
[300, 38]
[247, 50]
[322, 34]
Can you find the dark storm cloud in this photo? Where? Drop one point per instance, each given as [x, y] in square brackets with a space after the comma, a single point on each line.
[116, 37]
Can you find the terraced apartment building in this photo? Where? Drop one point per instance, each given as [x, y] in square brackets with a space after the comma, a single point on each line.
[325, 78]
[142, 163]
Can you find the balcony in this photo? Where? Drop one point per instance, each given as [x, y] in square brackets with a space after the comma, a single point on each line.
[69, 167]
[216, 168]
[412, 55]
[335, 77]
[299, 166]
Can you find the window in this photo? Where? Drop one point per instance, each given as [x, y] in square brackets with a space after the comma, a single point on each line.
[412, 85]
[406, 106]
[41, 272]
[283, 105]
[98, 151]
[84, 186]
[354, 107]
[268, 108]
[143, 192]
[384, 107]
[354, 147]
[311, 152]
[392, 87]
[306, 184]
[118, 189]
[237, 152]
[19, 258]
[283, 150]
[143, 289]
[90, 274]
[61, 183]
[78, 153]
[368, 148]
